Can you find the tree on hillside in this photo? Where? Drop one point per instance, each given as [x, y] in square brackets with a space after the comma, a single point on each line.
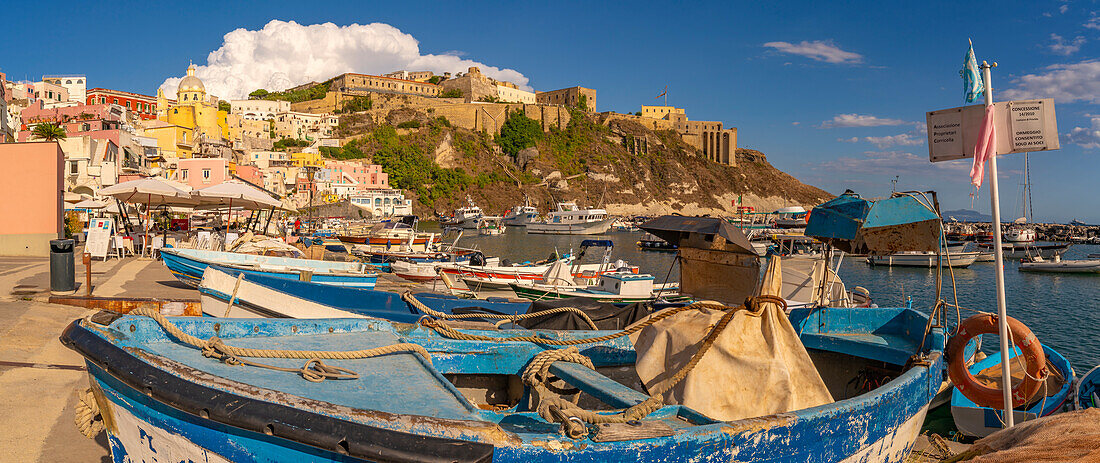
[49, 132]
[257, 94]
[518, 132]
[224, 106]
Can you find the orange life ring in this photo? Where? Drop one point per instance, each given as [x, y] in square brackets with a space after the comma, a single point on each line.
[984, 395]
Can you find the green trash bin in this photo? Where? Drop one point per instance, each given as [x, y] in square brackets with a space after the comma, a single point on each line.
[62, 266]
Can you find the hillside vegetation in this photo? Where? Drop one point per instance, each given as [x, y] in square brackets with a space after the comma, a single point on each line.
[617, 164]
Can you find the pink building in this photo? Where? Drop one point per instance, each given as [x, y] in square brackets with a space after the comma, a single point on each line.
[97, 121]
[202, 172]
[362, 176]
[32, 186]
[251, 174]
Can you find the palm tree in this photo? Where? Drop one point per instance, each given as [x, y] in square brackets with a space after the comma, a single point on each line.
[49, 131]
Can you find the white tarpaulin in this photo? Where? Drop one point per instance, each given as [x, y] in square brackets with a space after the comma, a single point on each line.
[757, 366]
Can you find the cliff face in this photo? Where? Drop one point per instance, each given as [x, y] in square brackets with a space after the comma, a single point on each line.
[617, 164]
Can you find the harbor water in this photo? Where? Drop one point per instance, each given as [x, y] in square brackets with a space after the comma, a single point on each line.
[1059, 308]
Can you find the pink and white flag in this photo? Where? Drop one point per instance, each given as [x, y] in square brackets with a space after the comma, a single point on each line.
[985, 148]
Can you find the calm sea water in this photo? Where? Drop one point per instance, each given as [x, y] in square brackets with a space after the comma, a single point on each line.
[1062, 309]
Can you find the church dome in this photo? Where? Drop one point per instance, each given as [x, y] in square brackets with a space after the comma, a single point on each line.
[190, 83]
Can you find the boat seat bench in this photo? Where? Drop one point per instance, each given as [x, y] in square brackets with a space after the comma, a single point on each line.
[885, 347]
[593, 383]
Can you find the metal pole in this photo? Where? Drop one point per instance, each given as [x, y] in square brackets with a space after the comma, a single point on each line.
[998, 262]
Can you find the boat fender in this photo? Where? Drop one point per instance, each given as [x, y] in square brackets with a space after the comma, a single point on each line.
[1023, 339]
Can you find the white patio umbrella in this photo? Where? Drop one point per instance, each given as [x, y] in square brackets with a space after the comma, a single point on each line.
[234, 194]
[152, 191]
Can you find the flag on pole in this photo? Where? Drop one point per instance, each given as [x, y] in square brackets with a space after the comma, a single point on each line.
[972, 77]
[663, 93]
[985, 148]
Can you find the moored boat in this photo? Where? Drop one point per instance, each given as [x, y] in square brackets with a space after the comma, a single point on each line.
[925, 259]
[1057, 265]
[490, 226]
[611, 287]
[1023, 251]
[188, 265]
[571, 220]
[520, 216]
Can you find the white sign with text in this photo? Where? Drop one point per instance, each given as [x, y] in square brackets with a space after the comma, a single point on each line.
[1022, 126]
[99, 237]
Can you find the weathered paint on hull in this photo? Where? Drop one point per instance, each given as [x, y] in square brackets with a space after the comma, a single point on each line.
[190, 272]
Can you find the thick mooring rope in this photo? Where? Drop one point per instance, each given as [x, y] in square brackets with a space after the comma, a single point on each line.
[87, 418]
[313, 370]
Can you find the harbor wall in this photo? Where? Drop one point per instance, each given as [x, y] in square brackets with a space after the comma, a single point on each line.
[32, 191]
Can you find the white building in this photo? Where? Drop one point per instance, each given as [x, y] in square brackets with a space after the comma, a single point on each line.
[304, 126]
[258, 110]
[384, 202]
[76, 85]
[514, 95]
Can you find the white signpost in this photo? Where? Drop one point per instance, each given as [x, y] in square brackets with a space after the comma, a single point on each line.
[99, 237]
[1021, 126]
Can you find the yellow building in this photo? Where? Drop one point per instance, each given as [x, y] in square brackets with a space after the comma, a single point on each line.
[663, 112]
[173, 140]
[307, 159]
[194, 110]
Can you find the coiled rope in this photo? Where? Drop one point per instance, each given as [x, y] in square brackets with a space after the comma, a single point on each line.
[87, 417]
[572, 417]
[409, 298]
[314, 370]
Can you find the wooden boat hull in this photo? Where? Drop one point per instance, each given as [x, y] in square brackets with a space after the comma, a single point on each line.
[160, 402]
[189, 269]
[588, 228]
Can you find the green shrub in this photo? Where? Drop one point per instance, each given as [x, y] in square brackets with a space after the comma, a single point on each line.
[284, 144]
[518, 132]
[357, 104]
[413, 124]
[452, 93]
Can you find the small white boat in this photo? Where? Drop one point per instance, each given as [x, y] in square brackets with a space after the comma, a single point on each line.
[1024, 251]
[520, 216]
[572, 220]
[490, 226]
[1057, 265]
[1020, 235]
[466, 217]
[925, 259]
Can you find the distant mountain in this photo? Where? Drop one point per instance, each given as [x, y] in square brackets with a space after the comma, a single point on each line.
[967, 215]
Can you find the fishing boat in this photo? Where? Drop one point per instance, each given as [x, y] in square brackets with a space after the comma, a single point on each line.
[1022, 250]
[611, 287]
[926, 259]
[974, 420]
[653, 243]
[790, 217]
[1057, 265]
[571, 220]
[435, 398]
[520, 216]
[389, 236]
[623, 224]
[466, 217]
[490, 226]
[1088, 390]
[188, 265]
[226, 292]
[429, 269]
[477, 278]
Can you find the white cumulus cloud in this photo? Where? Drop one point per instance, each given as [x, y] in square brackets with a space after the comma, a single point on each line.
[1066, 83]
[1062, 47]
[859, 120]
[284, 53]
[902, 139]
[1087, 137]
[817, 50]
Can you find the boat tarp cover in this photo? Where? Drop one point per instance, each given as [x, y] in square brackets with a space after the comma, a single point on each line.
[1069, 436]
[606, 316]
[885, 226]
[759, 360]
[674, 228]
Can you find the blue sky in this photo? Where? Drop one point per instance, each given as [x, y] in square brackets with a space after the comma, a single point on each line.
[834, 94]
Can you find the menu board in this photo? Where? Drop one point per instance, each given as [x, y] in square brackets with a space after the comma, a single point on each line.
[99, 237]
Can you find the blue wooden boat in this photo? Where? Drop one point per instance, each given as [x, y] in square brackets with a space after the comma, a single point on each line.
[978, 421]
[188, 265]
[161, 398]
[266, 296]
[1088, 389]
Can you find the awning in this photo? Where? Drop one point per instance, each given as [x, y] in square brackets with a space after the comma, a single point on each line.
[674, 228]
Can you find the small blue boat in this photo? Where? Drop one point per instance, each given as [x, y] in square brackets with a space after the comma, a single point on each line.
[978, 421]
[267, 296]
[162, 399]
[1088, 390]
[188, 265]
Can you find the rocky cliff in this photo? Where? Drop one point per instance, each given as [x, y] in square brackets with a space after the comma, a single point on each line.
[614, 163]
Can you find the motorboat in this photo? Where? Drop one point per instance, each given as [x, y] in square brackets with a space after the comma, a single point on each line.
[572, 220]
[1024, 250]
[648, 242]
[520, 216]
[611, 287]
[1020, 234]
[1057, 265]
[490, 226]
[925, 259]
[790, 217]
[466, 216]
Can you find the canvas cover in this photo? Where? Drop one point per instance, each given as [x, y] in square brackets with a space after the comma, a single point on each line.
[757, 366]
[1070, 436]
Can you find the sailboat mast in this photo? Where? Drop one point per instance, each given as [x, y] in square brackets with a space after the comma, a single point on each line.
[1027, 189]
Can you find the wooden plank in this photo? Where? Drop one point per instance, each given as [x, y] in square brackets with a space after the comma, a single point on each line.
[599, 386]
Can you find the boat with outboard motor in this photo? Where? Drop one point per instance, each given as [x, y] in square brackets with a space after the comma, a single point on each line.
[1057, 265]
[188, 265]
[925, 259]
